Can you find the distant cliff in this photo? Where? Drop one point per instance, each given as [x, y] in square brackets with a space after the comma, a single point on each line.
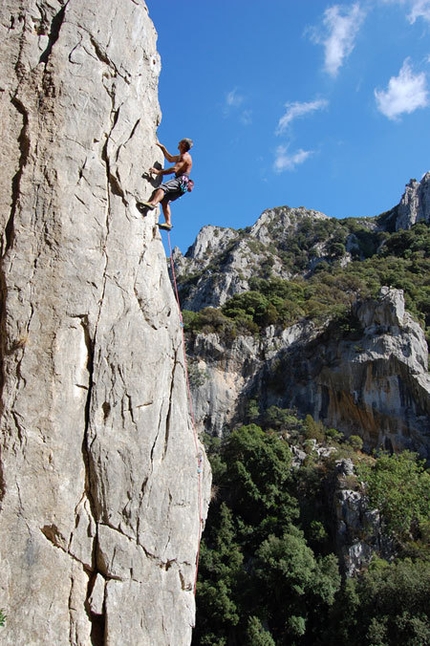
[100, 490]
[364, 372]
[286, 242]
[374, 383]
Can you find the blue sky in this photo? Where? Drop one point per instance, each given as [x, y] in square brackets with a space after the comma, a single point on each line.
[293, 102]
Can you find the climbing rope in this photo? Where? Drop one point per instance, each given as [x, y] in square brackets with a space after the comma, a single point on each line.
[199, 454]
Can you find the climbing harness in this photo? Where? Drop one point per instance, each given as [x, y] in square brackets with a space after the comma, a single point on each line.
[186, 185]
[199, 454]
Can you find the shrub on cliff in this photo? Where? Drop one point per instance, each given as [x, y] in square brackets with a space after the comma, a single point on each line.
[399, 486]
[386, 606]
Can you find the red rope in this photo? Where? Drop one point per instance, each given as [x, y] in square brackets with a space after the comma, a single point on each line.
[191, 410]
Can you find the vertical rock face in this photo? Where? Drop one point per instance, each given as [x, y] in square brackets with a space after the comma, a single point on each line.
[100, 490]
[373, 383]
[415, 203]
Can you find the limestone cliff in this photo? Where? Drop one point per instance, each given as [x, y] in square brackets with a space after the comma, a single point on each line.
[415, 203]
[286, 242]
[101, 491]
[374, 384]
[373, 381]
[222, 261]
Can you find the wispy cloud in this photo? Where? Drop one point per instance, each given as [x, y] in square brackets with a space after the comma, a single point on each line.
[284, 160]
[246, 117]
[233, 99]
[417, 8]
[233, 103]
[341, 26]
[405, 93]
[288, 161]
[420, 9]
[296, 110]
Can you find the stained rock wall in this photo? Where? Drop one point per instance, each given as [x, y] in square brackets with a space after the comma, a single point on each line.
[375, 384]
[101, 490]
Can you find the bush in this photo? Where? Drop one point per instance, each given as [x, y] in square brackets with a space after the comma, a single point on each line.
[399, 486]
[385, 606]
[355, 442]
[314, 430]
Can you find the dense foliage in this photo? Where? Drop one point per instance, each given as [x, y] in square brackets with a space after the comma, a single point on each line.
[399, 485]
[386, 606]
[258, 575]
[269, 575]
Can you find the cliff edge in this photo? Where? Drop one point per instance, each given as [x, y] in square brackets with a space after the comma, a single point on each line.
[100, 486]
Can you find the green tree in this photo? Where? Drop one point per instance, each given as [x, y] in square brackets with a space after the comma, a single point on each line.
[394, 606]
[293, 584]
[259, 581]
[399, 486]
[258, 478]
[220, 574]
[256, 635]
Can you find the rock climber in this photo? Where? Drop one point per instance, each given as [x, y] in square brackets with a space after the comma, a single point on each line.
[173, 188]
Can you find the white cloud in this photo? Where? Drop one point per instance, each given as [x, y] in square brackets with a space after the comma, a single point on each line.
[405, 93]
[420, 9]
[246, 117]
[417, 8]
[342, 24]
[233, 99]
[285, 161]
[233, 104]
[297, 109]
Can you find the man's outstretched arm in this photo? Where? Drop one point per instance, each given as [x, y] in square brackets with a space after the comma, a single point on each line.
[168, 156]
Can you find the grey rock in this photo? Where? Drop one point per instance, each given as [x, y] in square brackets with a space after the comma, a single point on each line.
[102, 478]
[415, 203]
[358, 531]
[222, 261]
[376, 385]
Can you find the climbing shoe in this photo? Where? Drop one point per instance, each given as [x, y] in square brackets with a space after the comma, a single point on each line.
[146, 205]
[166, 227]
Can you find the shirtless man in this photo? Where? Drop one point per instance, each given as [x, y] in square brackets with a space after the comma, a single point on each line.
[173, 188]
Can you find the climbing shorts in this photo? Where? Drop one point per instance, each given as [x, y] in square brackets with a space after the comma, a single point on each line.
[174, 188]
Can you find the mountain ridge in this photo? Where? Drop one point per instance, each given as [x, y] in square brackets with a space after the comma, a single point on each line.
[333, 327]
[221, 261]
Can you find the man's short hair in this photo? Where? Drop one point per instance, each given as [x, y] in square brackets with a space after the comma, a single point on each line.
[188, 143]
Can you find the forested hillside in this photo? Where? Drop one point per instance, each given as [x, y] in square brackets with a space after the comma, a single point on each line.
[325, 289]
[273, 570]
[312, 538]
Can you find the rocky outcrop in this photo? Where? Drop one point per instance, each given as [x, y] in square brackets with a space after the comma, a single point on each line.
[378, 386]
[286, 243]
[101, 486]
[358, 532]
[415, 203]
[227, 374]
[373, 383]
[222, 262]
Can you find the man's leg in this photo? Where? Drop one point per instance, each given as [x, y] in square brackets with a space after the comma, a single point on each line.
[165, 205]
[155, 199]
